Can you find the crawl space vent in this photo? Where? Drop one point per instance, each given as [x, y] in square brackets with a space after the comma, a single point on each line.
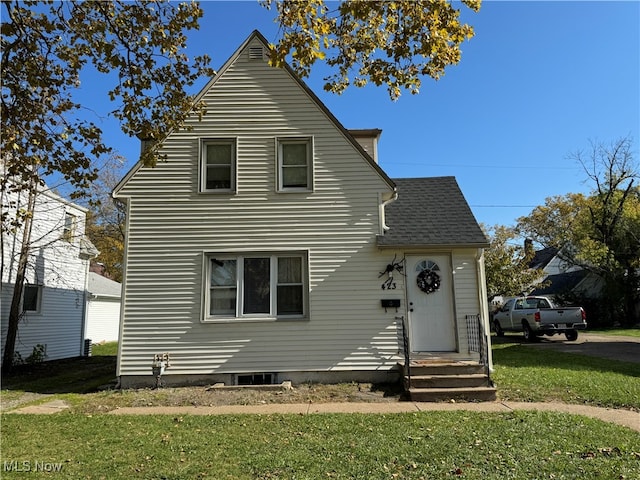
[256, 53]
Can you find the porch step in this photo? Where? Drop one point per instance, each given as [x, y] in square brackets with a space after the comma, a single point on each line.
[449, 368]
[449, 381]
[479, 394]
[436, 381]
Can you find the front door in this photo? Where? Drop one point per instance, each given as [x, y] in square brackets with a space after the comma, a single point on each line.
[430, 299]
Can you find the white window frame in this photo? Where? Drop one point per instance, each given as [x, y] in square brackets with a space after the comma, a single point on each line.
[240, 316]
[69, 231]
[204, 143]
[308, 141]
[38, 299]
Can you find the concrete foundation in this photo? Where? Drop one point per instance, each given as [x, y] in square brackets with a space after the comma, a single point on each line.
[296, 378]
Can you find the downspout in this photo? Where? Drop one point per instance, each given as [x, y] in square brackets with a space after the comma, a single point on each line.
[85, 294]
[85, 306]
[383, 218]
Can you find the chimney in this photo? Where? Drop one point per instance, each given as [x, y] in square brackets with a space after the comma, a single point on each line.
[528, 247]
[368, 140]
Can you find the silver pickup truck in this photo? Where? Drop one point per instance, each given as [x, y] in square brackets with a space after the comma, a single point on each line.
[535, 316]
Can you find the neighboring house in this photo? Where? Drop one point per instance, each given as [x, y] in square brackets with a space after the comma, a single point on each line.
[54, 299]
[560, 278]
[270, 246]
[103, 309]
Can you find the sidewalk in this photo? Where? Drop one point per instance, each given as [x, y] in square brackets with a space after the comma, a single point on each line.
[625, 418]
[621, 417]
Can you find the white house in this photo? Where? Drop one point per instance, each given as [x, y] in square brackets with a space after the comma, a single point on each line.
[103, 309]
[54, 299]
[270, 246]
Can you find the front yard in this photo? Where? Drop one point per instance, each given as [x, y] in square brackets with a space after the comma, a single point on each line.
[86, 443]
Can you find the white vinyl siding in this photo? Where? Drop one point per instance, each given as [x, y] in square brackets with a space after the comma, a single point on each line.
[103, 320]
[56, 275]
[218, 165]
[466, 293]
[171, 225]
[295, 164]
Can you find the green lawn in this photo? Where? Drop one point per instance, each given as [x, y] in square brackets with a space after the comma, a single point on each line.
[102, 349]
[625, 332]
[425, 445]
[526, 373]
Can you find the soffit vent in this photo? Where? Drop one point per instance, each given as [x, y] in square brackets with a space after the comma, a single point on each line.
[256, 53]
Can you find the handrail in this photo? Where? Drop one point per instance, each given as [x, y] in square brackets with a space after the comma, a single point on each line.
[478, 342]
[405, 346]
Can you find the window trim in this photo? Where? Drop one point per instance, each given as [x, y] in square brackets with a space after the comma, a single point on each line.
[272, 316]
[38, 308]
[69, 232]
[280, 141]
[204, 142]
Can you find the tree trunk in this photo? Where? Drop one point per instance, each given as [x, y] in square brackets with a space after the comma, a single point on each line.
[18, 288]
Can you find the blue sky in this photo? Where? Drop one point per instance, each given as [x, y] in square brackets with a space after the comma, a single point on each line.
[537, 82]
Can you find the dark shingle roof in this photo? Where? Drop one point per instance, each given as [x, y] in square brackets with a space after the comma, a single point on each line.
[542, 257]
[430, 212]
[561, 283]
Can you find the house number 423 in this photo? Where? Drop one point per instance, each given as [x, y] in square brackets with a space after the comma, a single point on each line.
[389, 285]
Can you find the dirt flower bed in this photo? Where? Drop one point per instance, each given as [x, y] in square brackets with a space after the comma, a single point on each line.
[208, 396]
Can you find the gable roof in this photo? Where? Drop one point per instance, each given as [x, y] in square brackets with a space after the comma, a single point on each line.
[542, 257]
[561, 283]
[431, 212]
[257, 35]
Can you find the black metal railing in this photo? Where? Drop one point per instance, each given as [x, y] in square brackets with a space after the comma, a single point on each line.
[478, 341]
[405, 346]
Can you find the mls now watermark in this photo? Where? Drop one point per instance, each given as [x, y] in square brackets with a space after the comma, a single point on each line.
[31, 466]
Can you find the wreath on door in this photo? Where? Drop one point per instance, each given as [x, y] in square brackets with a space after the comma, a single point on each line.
[428, 279]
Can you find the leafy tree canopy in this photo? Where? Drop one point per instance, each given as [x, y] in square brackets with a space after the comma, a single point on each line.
[392, 43]
[507, 263]
[45, 46]
[599, 232]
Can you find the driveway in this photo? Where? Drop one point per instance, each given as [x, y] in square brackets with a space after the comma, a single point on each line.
[626, 349]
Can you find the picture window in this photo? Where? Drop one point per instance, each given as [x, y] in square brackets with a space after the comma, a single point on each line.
[256, 286]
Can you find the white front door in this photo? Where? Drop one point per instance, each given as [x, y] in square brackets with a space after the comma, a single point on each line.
[430, 299]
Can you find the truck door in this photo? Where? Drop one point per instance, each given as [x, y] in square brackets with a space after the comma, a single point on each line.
[505, 315]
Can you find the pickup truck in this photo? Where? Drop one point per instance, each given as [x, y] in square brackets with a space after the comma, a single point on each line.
[535, 316]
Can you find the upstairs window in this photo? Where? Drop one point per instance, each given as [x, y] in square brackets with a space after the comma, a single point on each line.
[295, 170]
[218, 165]
[266, 286]
[69, 227]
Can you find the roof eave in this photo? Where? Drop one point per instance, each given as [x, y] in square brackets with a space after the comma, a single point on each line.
[431, 246]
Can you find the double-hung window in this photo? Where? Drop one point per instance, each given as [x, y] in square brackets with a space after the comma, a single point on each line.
[295, 166]
[258, 286]
[218, 165]
[69, 227]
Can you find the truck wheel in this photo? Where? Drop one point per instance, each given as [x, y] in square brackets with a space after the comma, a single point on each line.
[572, 335]
[498, 329]
[528, 333]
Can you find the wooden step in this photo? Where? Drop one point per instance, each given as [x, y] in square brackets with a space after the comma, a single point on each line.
[449, 381]
[478, 394]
